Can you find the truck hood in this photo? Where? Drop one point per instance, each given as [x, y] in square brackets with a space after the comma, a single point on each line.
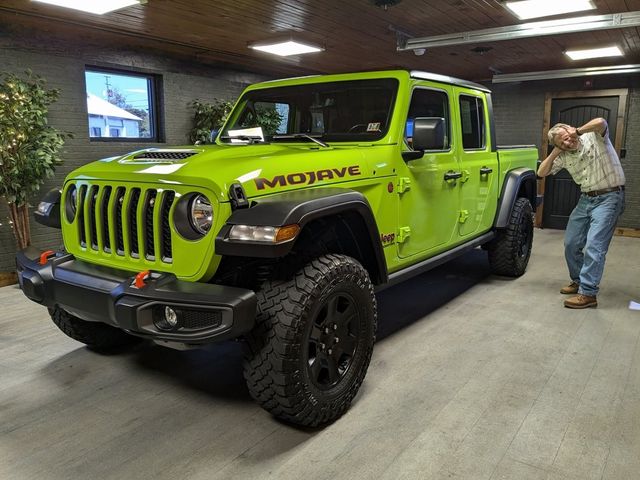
[260, 169]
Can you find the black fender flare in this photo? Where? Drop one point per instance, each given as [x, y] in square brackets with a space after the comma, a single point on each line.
[300, 207]
[519, 179]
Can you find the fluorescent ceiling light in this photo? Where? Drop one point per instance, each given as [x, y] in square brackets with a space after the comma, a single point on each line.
[527, 30]
[286, 48]
[545, 8]
[94, 6]
[571, 72]
[594, 53]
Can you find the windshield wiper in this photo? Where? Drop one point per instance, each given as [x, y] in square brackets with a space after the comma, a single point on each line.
[301, 135]
[245, 138]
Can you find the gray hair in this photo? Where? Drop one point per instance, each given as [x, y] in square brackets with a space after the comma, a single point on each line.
[555, 130]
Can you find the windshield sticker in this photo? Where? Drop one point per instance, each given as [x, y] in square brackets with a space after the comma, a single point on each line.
[245, 134]
[307, 178]
[373, 127]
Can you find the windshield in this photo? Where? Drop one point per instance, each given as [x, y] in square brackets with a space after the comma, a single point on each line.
[357, 110]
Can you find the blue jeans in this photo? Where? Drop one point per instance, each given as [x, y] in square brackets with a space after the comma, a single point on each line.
[587, 238]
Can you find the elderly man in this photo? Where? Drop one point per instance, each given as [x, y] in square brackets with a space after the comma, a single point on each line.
[588, 155]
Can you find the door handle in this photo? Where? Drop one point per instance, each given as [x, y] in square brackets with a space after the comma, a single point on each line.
[485, 170]
[451, 175]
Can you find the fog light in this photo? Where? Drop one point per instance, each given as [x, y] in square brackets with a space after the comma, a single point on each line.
[167, 318]
[171, 316]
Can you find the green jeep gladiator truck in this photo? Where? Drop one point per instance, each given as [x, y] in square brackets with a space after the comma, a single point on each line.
[317, 192]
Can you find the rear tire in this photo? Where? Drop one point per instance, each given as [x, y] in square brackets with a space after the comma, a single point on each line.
[93, 334]
[294, 366]
[509, 252]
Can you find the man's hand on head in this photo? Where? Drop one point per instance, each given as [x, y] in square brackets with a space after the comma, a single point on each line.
[567, 139]
[571, 131]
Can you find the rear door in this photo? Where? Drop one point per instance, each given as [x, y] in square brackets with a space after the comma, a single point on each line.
[478, 164]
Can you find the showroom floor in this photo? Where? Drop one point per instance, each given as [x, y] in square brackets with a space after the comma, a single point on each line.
[473, 376]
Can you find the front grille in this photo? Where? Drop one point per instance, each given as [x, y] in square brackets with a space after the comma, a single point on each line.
[120, 191]
[124, 221]
[104, 210]
[81, 214]
[133, 222]
[149, 236]
[167, 201]
[93, 225]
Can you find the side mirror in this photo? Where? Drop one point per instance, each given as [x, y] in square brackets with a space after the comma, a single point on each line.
[428, 133]
[48, 212]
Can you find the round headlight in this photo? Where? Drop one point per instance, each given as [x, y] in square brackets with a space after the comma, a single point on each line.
[70, 203]
[201, 214]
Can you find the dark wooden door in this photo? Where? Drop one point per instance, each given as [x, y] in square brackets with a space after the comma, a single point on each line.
[561, 193]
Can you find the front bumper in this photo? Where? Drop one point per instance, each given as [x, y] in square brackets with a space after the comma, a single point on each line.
[93, 293]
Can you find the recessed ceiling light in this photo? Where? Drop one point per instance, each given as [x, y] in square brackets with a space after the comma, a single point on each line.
[286, 48]
[594, 53]
[95, 6]
[526, 9]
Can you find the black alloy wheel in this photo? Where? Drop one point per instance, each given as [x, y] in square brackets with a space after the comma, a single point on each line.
[333, 341]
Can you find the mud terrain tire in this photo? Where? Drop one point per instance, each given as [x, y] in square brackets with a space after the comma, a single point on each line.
[94, 334]
[310, 349]
[509, 252]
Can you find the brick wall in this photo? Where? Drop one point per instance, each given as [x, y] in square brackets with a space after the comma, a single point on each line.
[518, 109]
[519, 116]
[182, 83]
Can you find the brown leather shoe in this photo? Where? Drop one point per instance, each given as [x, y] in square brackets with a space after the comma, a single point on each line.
[581, 301]
[570, 289]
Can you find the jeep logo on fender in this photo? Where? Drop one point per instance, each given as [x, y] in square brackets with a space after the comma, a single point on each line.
[387, 238]
[307, 178]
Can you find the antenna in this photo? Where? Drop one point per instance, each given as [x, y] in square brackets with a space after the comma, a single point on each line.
[108, 85]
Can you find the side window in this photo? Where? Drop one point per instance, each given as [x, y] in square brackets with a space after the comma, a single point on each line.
[428, 103]
[121, 105]
[472, 119]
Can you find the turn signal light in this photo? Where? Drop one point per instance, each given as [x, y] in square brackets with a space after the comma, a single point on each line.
[287, 233]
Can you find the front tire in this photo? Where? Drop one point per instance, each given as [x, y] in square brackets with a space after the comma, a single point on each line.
[93, 334]
[310, 349]
[509, 252]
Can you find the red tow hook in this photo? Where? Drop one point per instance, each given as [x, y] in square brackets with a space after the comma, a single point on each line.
[44, 256]
[141, 278]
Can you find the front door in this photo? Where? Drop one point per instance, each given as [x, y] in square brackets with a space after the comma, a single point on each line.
[561, 193]
[428, 204]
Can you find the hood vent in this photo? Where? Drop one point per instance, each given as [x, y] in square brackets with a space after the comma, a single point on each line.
[164, 155]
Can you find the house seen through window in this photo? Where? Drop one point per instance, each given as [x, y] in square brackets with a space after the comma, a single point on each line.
[120, 105]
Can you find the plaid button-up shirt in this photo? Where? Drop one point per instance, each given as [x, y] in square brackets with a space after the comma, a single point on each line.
[594, 166]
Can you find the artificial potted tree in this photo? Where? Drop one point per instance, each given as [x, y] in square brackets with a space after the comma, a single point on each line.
[29, 146]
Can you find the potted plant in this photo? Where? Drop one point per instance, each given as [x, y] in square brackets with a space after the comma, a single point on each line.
[29, 146]
[209, 118]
